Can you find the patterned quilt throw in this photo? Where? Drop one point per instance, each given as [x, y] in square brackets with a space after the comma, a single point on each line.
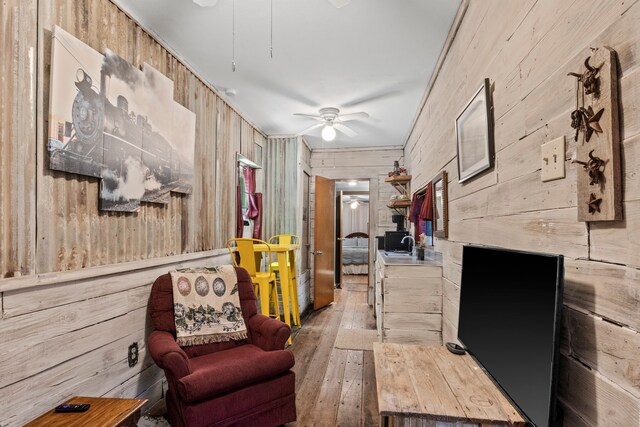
[207, 305]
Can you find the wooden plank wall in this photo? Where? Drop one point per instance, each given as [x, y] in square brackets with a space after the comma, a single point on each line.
[18, 45]
[362, 164]
[281, 214]
[74, 281]
[526, 48]
[284, 165]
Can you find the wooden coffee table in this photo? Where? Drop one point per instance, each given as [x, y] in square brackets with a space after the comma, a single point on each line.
[104, 412]
[422, 385]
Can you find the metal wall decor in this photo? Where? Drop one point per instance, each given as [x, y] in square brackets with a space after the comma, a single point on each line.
[594, 167]
[595, 119]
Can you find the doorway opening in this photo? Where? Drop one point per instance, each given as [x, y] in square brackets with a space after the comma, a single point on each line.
[352, 229]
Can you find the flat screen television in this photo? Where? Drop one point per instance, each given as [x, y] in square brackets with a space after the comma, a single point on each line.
[510, 313]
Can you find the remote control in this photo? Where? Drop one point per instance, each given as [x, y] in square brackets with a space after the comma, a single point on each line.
[455, 348]
[72, 407]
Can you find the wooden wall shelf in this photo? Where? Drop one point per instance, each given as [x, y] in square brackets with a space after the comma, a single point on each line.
[398, 179]
[399, 204]
[400, 183]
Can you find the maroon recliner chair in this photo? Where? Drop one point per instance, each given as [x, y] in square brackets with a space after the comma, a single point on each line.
[243, 383]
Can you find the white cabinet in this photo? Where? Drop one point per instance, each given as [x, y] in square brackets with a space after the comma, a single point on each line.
[408, 299]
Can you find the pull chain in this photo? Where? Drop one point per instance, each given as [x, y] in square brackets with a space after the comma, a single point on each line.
[233, 38]
[271, 46]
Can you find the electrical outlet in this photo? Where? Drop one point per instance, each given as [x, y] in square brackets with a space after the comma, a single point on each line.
[133, 355]
[553, 160]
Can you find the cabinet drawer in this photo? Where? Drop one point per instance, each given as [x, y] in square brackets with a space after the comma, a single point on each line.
[420, 321]
[418, 272]
[403, 303]
[410, 336]
[418, 287]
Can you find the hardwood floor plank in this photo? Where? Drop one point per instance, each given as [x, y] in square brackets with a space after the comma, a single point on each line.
[308, 391]
[349, 411]
[325, 408]
[370, 415]
[335, 386]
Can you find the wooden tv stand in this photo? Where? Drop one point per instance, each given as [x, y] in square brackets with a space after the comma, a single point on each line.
[420, 385]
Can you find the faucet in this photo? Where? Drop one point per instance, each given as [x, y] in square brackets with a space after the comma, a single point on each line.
[413, 243]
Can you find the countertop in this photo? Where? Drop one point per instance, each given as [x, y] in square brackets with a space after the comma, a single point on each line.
[431, 259]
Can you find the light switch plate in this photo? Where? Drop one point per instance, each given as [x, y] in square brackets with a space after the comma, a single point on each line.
[553, 160]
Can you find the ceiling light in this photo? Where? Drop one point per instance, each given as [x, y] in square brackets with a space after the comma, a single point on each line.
[353, 183]
[328, 133]
[354, 204]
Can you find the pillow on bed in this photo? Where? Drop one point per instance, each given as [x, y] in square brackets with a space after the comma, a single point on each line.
[350, 241]
[363, 242]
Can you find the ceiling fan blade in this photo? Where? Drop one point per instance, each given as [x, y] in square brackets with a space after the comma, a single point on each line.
[379, 95]
[353, 116]
[310, 128]
[206, 3]
[344, 129]
[311, 116]
[339, 3]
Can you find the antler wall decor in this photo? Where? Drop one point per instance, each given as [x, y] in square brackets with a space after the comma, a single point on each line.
[595, 117]
[589, 79]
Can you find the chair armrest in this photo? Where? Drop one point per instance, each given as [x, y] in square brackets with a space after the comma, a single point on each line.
[267, 333]
[167, 354]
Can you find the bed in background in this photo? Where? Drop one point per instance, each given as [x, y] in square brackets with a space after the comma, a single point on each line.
[355, 253]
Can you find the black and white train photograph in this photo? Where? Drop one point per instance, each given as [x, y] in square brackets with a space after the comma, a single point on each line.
[110, 120]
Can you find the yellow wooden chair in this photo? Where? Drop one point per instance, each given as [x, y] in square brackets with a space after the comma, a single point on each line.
[243, 255]
[288, 239]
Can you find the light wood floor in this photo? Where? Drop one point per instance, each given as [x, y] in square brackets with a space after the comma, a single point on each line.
[335, 387]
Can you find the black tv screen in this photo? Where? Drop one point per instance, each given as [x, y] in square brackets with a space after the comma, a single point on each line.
[510, 308]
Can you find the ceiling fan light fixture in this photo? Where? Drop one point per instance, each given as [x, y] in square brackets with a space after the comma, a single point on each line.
[328, 133]
[353, 183]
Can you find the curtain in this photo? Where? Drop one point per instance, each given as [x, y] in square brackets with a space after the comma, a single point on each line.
[254, 201]
[426, 212]
[250, 189]
[354, 220]
[257, 220]
[239, 218]
[414, 212]
[421, 212]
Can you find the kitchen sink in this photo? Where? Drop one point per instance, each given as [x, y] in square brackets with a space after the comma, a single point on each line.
[398, 254]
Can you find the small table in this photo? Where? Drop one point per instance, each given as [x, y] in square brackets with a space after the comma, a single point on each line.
[104, 412]
[419, 384]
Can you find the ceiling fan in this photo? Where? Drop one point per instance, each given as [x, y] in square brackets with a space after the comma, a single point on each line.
[331, 120]
[210, 3]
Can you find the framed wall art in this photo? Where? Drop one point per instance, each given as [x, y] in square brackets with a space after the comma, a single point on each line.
[111, 120]
[440, 210]
[474, 134]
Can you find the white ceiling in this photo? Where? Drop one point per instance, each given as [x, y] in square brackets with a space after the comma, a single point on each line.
[352, 185]
[371, 55]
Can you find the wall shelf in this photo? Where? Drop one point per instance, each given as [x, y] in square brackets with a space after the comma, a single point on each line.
[400, 183]
[399, 204]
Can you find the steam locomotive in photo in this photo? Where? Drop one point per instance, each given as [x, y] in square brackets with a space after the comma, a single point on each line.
[103, 139]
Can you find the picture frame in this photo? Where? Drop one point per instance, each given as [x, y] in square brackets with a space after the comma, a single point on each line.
[440, 206]
[474, 134]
